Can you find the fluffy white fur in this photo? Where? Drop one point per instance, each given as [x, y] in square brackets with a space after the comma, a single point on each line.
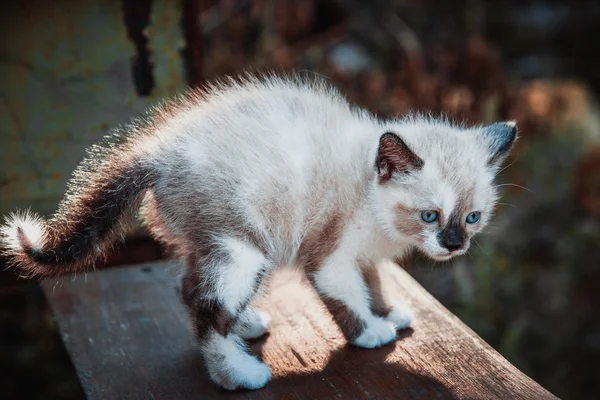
[378, 332]
[238, 180]
[400, 315]
[22, 226]
[232, 278]
[230, 365]
[252, 324]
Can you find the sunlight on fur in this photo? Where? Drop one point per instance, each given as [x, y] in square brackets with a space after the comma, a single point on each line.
[260, 172]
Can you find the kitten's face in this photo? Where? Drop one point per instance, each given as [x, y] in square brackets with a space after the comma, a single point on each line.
[435, 185]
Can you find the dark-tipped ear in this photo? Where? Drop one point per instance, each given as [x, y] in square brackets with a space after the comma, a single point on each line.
[500, 138]
[395, 157]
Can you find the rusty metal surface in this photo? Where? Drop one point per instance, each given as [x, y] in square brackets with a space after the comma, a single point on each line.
[65, 81]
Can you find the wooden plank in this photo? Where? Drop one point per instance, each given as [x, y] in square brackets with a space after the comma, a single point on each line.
[128, 337]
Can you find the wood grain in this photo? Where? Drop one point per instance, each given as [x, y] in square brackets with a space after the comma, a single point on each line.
[128, 337]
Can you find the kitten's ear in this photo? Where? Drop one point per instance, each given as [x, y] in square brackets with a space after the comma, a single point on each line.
[500, 138]
[395, 157]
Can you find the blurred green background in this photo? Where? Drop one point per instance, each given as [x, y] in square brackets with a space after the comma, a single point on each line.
[70, 71]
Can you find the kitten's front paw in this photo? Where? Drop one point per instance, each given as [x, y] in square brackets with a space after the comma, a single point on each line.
[252, 324]
[401, 316]
[246, 373]
[377, 333]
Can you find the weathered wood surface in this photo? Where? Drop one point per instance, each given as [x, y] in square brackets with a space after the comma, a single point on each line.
[128, 337]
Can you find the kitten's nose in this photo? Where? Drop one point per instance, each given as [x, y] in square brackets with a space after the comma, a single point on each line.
[452, 246]
[452, 238]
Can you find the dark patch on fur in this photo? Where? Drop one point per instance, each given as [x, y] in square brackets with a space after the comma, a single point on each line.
[350, 325]
[198, 216]
[209, 315]
[394, 156]
[188, 222]
[205, 311]
[91, 218]
[453, 236]
[405, 220]
[379, 305]
[314, 249]
[320, 243]
[501, 137]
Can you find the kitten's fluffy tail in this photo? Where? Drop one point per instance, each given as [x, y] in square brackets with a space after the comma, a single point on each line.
[100, 204]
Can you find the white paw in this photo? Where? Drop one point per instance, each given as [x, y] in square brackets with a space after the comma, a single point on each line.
[231, 367]
[252, 324]
[248, 373]
[401, 315]
[377, 333]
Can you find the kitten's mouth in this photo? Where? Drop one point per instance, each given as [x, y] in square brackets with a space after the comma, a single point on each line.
[444, 257]
[448, 256]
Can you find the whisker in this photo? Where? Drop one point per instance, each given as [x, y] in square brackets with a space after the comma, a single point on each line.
[514, 184]
[502, 170]
[492, 232]
[484, 252]
[490, 226]
[506, 204]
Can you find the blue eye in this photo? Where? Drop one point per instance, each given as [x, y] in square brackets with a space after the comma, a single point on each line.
[429, 216]
[473, 217]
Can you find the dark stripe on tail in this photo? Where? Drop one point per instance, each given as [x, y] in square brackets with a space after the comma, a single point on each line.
[97, 211]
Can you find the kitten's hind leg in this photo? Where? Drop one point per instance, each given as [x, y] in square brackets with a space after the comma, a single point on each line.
[252, 324]
[230, 365]
[216, 290]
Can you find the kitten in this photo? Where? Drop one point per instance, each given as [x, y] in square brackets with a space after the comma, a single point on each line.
[257, 173]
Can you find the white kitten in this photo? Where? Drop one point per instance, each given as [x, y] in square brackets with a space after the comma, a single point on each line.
[255, 174]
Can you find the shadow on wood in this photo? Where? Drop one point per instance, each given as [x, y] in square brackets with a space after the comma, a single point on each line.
[356, 373]
[128, 336]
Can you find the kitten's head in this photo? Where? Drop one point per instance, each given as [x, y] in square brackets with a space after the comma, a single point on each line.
[434, 183]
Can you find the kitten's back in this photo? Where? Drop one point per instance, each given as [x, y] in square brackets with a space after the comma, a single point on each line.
[273, 154]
